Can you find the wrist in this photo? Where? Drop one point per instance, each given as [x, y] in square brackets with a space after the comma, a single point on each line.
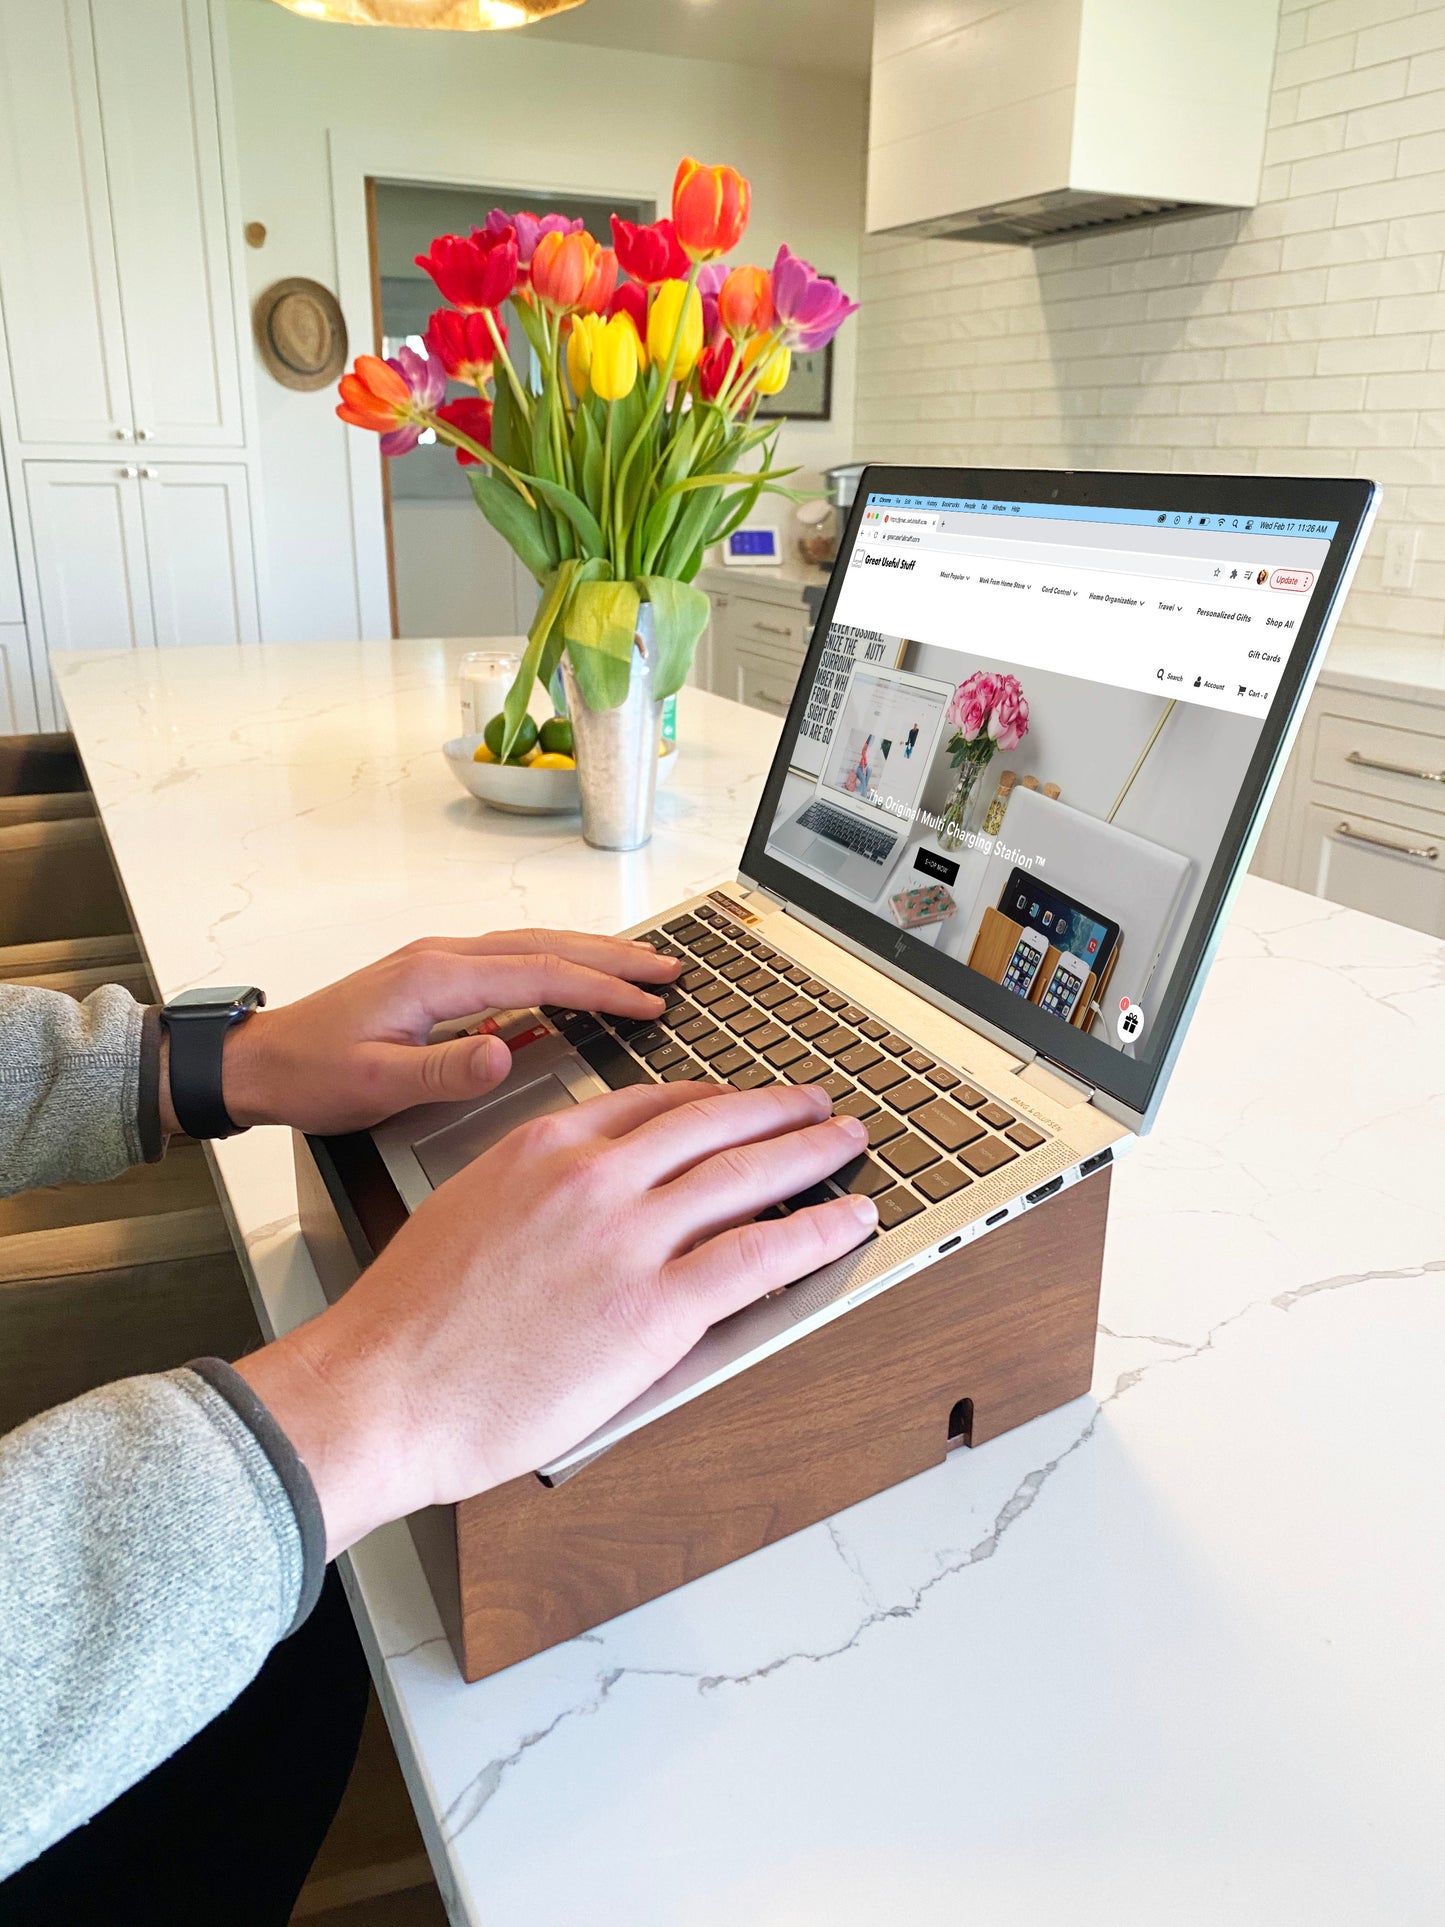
[243, 1078]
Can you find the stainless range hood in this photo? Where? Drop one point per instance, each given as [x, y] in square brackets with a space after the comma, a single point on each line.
[1029, 121]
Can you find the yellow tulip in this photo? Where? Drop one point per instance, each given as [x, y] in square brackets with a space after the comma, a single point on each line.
[663, 320]
[581, 344]
[777, 366]
[614, 357]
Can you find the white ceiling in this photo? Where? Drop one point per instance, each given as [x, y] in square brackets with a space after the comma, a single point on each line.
[823, 36]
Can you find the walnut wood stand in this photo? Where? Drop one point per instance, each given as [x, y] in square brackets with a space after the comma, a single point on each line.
[951, 1357]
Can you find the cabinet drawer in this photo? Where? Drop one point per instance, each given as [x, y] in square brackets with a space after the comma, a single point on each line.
[764, 627]
[1379, 759]
[1375, 865]
[763, 682]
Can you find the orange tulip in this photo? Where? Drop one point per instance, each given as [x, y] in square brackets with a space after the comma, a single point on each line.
[601, 281]
[562, 267]
[745, 302]
[373, 395]
[709, 209]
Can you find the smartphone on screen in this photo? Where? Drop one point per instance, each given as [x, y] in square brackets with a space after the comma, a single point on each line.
[1023, 966]
[1061, 992]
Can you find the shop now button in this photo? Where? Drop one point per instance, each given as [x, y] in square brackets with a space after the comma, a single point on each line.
[1291, 578]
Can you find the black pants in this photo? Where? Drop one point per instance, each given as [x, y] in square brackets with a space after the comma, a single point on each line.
[223, 1833]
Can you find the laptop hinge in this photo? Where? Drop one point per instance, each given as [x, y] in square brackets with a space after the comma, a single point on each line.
[1045, 1075]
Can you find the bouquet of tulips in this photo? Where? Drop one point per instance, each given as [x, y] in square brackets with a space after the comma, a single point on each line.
[614, 467]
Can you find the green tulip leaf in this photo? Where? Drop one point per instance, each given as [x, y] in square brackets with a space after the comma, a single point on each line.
[554, 596]
[519, 526]
[603, 679]
[679, 616]
[603, 615]
[575, 510]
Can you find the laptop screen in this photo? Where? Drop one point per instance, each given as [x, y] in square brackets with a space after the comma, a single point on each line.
[1065, 713]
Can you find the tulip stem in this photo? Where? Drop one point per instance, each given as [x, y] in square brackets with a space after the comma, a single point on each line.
[606, 516]
[506, 360]
[650, 414]
[456, 439]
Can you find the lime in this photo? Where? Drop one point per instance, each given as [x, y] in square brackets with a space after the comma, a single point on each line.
[525, 743]
[555, 736]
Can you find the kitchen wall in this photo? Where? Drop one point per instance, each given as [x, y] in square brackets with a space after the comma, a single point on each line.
[1306, 336]
[584, 119]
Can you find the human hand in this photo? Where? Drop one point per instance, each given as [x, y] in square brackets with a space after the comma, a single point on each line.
[549, 1283]
[356, 1052]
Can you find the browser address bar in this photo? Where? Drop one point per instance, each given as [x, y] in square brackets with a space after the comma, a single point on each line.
[1164, 567]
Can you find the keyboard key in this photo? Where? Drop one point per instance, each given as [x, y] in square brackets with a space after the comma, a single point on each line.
[832, 1000]
[908, 1096]
[860, 1104]
[946, 1124]
[739, 967]
[679, 1015]
[940, 1181]
[728, 1007]
[686, 1072]
[664, 1059]
[573, 1024]
[881, 1077]
[704, 945]
[894, 1043]
[858, 1059]
[863, 1178]
[745, 940]
[764, 1039]
[869, 1026]
[611, 1062]
[746, 1020]
[721, 959]
[815, 1194]
[919, 1061]
[969, 1097]
[910, 1154]
[814, 1024]
[695, 979]
[944, 1078]
[683, 927]
[883, 1127]
[764, 955]
[707, 1048]
[691, 1033]
[775, 994]
[987, 1155]
[850, 1014]
[750, 1077]
[812, 988]
[756, 981]
[834, 1042]
[837, 1087]
[786, 1052]
[895, 1207]
[796, 974]
[807, 1070]
[650, 1038]
[729, 1061]
[795, 1008]
[711, 994]
[1025, 1136]
[706, 910]
[996, 1115]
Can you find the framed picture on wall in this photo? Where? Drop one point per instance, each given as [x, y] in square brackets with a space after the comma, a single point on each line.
[808, 396]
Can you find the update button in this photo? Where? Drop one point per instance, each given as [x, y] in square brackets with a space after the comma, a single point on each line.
[1291, 578]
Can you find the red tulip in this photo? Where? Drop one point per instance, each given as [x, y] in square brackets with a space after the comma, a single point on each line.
[709, 209]
[562, 269]
[473, 417]
[712, 370]
[600, 283]
[464, 345]
[649, 254]
[745, 302]
[473, 272]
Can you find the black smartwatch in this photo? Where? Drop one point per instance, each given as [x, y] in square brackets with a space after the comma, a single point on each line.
[196, 1023]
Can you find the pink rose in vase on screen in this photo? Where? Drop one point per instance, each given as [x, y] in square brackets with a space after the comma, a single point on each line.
[986, 712]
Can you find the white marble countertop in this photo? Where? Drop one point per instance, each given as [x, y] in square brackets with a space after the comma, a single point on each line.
[1174, 1652]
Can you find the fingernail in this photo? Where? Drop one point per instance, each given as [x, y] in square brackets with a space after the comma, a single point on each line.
[864, 1210]
[853, 1127]
[820, 1100]
[499, 1058]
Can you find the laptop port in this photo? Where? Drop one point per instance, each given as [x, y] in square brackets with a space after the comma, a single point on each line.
[1095, 1163]
[950, 1244]
[997, 1218]
[1045, 1191]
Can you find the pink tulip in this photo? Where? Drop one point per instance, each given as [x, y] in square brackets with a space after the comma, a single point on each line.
[810, 310]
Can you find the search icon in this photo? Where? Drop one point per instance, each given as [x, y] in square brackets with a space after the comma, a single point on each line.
[1160, 674]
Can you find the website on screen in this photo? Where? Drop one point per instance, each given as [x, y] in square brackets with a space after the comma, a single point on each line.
[1029, 728]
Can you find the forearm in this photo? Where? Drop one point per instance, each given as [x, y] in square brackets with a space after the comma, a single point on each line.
[156, 1545]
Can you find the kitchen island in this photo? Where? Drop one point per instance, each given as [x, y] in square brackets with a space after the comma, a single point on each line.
[1171, 1653]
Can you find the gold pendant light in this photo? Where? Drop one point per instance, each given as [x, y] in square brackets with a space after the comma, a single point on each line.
[459, 16]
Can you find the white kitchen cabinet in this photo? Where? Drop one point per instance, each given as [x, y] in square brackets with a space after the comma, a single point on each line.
[131, 555]
[763, 680]
[115, 268]
[202, 569]
[758, 635]
[17, 701]
[1380, 866]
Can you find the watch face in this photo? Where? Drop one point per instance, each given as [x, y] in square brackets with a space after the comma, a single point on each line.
[219, 997]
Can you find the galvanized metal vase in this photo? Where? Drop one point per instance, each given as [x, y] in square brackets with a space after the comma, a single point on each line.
[616, 752]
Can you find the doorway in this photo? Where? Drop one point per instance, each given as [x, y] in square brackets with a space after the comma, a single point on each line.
[451, 573]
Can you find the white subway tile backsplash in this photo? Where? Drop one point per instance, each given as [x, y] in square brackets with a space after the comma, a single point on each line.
[1305, 335]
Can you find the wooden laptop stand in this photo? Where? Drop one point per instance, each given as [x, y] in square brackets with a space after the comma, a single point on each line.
[969, 1348]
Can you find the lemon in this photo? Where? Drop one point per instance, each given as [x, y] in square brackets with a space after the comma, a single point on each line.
[526, 738]
[481, 754]
[553, 759]
[555, 736]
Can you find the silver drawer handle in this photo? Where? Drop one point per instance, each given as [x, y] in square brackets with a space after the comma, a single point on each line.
[769, 702]
[1395, 769]
[771, 629]
[1427, 851]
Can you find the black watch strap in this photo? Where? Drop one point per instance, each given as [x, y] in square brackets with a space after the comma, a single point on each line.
[197, 1027]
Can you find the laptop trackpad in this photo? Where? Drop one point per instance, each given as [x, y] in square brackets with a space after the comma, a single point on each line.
[447, 1151]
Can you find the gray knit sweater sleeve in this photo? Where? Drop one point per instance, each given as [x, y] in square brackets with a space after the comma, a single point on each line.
[157, 1537]
[73, 1086]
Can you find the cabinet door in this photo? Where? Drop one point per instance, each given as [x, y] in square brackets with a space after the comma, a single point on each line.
[17, 696]
[163, 157]
[198, 545]
[58, 279]
[763, 681]
[1380, 867]
[90, 558]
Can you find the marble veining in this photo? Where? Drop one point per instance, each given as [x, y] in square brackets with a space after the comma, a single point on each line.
[1170, 1652]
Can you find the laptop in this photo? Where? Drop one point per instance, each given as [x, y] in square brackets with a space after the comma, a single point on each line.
[875, 763]
[1138, 651]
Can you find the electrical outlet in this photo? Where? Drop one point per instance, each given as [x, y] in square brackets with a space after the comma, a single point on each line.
[1400, 547]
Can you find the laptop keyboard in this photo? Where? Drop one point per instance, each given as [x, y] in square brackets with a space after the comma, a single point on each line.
[746, 1014]
[839, 827]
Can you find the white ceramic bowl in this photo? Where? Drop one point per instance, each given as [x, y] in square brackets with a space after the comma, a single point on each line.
[522, 790]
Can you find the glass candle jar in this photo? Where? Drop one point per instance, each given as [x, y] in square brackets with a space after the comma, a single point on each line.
[486, 676]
